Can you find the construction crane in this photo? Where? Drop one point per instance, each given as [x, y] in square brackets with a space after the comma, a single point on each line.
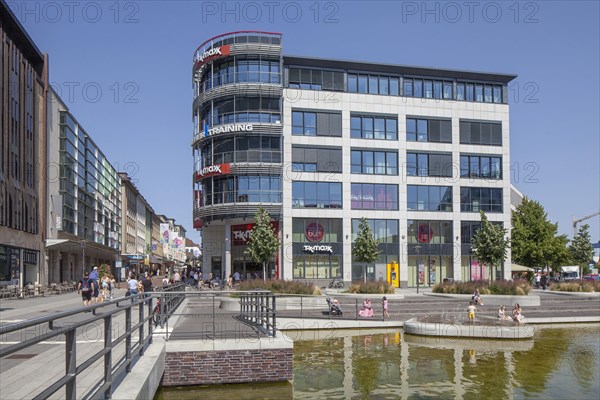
[576, 221]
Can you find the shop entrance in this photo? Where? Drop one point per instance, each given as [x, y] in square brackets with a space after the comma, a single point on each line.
[216, 264]
[252, 270]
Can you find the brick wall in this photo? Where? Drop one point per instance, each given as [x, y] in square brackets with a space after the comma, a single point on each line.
[216, 367]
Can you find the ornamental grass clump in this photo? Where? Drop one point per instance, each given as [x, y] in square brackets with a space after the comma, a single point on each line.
[371, 287]
[282, 286]
[508, 288]
[578, 286]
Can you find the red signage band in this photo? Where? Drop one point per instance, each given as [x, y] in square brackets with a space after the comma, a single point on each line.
[240, 234]
[211, 170]
[214, 53]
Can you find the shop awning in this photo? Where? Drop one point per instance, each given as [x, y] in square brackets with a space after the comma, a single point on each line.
[55, 242]
[520, 268]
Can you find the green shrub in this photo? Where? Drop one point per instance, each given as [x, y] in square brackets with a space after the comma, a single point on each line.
[371, 287]
[509, 288]
[282, 286]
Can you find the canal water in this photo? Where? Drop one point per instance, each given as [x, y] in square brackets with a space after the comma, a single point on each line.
[560, 362]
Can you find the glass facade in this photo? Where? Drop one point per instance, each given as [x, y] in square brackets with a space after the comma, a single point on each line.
[429, 164]
[90, 187]
[374, 162]
[317, 248]
[429, 198]
[474, 199]
[372, 196]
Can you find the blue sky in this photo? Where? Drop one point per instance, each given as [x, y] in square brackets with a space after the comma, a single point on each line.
[124, 70]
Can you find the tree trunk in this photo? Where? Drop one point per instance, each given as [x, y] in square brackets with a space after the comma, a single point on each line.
[364, 273]
[264, 271]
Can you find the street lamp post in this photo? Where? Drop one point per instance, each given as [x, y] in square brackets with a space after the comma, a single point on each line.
[418, 249]
[83, 244]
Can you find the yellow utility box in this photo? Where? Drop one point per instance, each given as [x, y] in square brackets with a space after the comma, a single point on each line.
[393, 274]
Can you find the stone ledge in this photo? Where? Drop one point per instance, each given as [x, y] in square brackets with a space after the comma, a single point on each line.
[494, 299]
[144, 379]
[517, 331]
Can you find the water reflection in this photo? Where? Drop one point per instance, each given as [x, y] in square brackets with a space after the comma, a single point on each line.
[558, 363]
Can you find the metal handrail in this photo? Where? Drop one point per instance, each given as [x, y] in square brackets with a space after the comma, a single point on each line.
[112, 368]
[259, 309]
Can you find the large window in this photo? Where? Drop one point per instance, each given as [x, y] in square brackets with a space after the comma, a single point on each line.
[241, 110]
[373, 84]
[373, 196]
[428, 130]
[316, 123]
[477, 132]
[429, 164]
[259, 71]
[384, 230]
[476, 166]
[425, 232]
[475, 199]
[314, 79]
[374, 162]
[316, 159]
[373, 127]
[429, 198]
[317, 248]
[469, 228]
[252, 148]
[316, 194]
[241, 189]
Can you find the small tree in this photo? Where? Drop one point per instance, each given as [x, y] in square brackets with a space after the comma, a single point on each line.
[581, 247]
[366, 247]
[489, 243]
[263, 243]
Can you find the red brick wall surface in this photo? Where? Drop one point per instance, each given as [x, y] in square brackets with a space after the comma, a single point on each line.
[216, 367]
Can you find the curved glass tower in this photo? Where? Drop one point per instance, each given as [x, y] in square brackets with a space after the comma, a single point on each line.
[237, 145]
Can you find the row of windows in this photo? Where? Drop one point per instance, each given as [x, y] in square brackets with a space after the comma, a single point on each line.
[428, 130]
[481, 167]
[315, 79]
[367, 127]
[242, 189]
[368, 196]
[240, 149]
[386, 128]
[412, 87]
[241, 71]
[374, 162]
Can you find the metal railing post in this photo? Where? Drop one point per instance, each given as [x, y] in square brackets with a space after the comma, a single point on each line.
[128, 338]
[108, 355]
[274, 311]
[213, 315]
[141, 325]
[71, 364]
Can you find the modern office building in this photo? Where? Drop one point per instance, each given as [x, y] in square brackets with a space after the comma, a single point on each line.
[23, 86]
[84, 199]
[322, 143]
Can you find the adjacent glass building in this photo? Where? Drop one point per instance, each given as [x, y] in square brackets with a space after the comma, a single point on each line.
[321, 143]
[84, 199]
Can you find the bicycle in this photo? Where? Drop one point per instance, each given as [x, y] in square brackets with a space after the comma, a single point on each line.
[156, 314]
[336, 283]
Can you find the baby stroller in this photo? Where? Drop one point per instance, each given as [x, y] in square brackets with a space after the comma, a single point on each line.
[334, 307]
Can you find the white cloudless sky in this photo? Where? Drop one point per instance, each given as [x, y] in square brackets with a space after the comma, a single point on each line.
[124, 70]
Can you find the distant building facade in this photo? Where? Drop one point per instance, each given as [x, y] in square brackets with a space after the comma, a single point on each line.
[23, 86]
[321, 143]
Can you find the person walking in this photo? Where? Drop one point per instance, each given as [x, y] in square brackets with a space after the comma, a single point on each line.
[86, 288]
[96, 279]
[385, 308]
[471, 312]
[132, 285]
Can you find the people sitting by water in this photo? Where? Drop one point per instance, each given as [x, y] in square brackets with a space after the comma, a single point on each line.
[477, 298]
[502, 314]
[366, 311]
[471, 311]
[518, 313]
